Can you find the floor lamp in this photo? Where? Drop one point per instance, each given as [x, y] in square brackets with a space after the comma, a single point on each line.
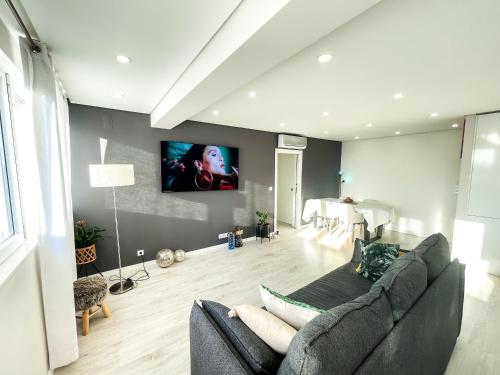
[114, 175]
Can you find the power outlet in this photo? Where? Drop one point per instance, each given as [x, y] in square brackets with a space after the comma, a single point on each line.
[140, 253]
[222, 236]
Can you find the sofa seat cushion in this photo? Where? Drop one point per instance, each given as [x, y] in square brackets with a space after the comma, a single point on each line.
[335, 288]
[435, 252]
[337, 341]
[258, 355]
[404, 282]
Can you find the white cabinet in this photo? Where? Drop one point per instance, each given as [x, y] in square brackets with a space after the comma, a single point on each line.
[484, 193]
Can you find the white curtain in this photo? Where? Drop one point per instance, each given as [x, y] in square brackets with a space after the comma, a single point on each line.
[55, 215]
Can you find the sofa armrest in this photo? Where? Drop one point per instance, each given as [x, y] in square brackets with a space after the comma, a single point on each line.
[211, 351]
[261, 358]
[461, 291]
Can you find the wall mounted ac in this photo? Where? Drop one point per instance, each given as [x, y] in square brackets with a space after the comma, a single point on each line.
[292, 141]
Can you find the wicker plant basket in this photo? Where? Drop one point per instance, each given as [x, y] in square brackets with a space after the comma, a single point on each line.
[85, 255]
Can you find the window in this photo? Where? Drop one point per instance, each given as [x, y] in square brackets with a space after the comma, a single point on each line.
[11, 228]
[6, 213]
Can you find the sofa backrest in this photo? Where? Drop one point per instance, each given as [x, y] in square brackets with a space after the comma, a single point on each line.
[435, 252]
[404, 282]
[337, 341]
[423, 340]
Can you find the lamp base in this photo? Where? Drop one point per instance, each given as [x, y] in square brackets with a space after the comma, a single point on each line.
[121, 287]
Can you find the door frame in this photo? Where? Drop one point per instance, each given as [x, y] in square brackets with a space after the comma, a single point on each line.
[298, 186]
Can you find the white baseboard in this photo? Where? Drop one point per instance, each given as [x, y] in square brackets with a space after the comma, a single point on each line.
[210, 249]
[189, 254]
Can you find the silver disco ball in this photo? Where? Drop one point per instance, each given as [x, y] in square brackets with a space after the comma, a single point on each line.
[180, 255]
[165, 258]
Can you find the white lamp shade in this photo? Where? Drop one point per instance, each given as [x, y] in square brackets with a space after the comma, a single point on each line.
[108, 175]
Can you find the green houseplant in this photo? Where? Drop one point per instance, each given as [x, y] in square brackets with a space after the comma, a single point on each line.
[85, 238]
[262, 230]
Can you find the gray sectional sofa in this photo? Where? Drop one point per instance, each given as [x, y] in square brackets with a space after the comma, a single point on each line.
[407, 322]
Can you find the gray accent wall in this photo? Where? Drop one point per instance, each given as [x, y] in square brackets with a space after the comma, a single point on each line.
[152, 220]
[320, 169]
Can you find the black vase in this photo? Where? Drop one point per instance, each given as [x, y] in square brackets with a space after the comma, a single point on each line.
[262, 230]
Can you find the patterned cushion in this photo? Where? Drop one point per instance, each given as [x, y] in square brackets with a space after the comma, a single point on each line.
[376, 258]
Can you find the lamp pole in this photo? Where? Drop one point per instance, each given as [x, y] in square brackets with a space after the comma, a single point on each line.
[121, 286]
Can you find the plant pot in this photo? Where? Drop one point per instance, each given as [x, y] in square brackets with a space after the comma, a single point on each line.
[85, 255]
[262, 230]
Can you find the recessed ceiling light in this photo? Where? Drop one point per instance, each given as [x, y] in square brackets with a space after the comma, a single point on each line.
[326, 132]
[118, 95]
[397, 133]
[324, 58]
[326, 113]
[215, 112]
[454, 125]
[123, 59]
[356, 137]
[252, 94]
[369, 125]
[434, 114]
[398, 95]
[282, 124]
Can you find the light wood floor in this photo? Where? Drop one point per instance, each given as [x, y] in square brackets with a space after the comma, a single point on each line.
[148, 331]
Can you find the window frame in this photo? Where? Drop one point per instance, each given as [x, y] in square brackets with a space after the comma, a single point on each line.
[14, 242]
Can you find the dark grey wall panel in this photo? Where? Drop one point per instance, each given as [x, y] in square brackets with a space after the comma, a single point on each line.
[150, 219]
[320, 169]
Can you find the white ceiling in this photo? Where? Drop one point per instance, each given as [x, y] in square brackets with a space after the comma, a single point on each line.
[273, 31]
[442, 55]
[161, 37]
[185, 54]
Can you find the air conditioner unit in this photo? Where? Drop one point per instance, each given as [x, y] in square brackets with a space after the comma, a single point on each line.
[292, 141]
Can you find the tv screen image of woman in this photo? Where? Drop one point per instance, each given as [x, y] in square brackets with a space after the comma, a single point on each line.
[198, 167]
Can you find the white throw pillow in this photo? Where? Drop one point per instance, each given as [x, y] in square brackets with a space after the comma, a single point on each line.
[295, 313]
[273, 331]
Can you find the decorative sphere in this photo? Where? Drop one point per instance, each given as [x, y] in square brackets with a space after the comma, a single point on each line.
[180, 255]
[165, 258]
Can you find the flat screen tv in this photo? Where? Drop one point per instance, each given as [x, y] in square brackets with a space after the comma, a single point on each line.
[198, 167]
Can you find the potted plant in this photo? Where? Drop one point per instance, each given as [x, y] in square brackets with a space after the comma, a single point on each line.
[262, 224]
[85, 238]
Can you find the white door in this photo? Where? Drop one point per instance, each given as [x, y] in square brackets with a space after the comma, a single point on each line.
[287, 184]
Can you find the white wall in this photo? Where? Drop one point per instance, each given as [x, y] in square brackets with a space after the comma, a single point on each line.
[416, 174]
[23, 345]
[477, 238]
